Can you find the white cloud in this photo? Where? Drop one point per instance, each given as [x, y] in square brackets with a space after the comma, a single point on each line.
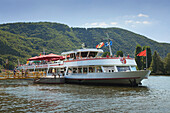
[97, 24]
[128, 21]
[138, 22]
[142, 15]
[94, 24]
[134, 23]
[102, 24]
[146, 22]
[113, 23]
[86, 24]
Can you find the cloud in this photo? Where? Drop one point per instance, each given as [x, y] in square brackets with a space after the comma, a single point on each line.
[100, 24]
[143, 22]
[138, 22]
[142, 15]
[113, 23]
[146, 22]
[94, 24]
[132, 22]
[128, 21]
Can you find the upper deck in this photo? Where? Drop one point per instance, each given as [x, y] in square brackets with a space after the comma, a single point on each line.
[84, 57]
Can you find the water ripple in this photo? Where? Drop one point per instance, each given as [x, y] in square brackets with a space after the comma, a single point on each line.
[152, 96]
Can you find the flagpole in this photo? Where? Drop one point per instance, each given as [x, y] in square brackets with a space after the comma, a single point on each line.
[146, 60]
[109, 45]
[110, 48]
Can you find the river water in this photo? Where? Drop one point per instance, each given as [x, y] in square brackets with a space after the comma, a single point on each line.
[23, 96]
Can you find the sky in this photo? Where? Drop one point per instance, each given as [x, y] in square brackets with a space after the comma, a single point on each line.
[150, 18]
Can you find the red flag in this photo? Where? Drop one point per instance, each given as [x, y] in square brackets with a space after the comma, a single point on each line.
[143, 53]
[100, 45]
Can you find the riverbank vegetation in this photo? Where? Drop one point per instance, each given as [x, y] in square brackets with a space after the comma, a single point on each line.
[157, 65]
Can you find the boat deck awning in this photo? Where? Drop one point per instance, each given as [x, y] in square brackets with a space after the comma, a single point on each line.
[48, 57]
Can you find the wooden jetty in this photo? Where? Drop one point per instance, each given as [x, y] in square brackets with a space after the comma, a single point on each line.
[20, 75]
[37, 77]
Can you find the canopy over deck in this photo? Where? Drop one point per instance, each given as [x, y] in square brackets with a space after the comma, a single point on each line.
[48, 57]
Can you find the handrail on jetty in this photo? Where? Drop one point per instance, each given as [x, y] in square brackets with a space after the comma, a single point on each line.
[20, 75]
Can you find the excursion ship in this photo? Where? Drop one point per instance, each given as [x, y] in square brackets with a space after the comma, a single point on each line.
[86, 66]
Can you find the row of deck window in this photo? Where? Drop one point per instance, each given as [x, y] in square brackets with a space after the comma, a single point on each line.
[98, 69]
[90, 69]
[84, 70]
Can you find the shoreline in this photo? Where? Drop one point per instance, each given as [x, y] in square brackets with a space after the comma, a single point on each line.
[153, 74]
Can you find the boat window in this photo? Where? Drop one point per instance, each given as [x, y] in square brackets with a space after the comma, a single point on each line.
[85, 70]
[84, 54]
[50, 70]
[92, 54]
[80, 70]
[123, 68]
[77, 55]
[74, 70]
[70, 70]
[133, 68]
[108, 69]
[91, 69]
[31, 70]
[98, 69]
[72, 56]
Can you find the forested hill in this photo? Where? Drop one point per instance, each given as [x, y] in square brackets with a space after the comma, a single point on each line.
[23, 40]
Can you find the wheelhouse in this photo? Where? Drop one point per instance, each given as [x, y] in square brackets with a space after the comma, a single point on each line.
[82, 54]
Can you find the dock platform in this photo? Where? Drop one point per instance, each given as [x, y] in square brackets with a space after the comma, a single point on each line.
[37, 77]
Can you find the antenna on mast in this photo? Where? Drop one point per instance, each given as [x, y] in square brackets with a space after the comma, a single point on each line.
[43, 51]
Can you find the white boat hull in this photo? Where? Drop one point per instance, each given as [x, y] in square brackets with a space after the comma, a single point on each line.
[124, 78]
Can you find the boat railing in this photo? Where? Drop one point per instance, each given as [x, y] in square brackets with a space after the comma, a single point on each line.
[41, 64]
[81, 58]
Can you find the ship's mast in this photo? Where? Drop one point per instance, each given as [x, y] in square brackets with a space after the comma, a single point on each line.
[43, 51]
[109, 45]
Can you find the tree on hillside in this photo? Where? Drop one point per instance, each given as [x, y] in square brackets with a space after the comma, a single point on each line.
[119, 53]
[167, 63]
[138, 58]
[149, 56]
[157, 65]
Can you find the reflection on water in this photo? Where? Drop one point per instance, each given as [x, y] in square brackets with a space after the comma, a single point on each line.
[23, 96]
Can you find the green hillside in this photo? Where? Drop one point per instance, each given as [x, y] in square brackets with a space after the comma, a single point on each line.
[23, 40]
[122, 40]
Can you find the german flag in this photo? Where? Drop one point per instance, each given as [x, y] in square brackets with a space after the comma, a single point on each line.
[100, 45]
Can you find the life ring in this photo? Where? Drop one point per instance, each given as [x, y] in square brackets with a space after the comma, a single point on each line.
[123, 60]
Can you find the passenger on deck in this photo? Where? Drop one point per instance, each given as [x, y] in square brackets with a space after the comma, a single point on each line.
[107, 55]
[53, 71]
